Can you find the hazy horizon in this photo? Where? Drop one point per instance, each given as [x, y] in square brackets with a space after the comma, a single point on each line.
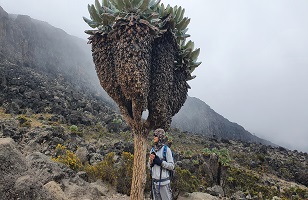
[254, 58]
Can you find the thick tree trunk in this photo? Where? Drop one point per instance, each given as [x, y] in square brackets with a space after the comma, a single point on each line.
[139, 170]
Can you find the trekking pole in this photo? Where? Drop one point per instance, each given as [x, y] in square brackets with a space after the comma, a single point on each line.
[151, 192]
[161, 169]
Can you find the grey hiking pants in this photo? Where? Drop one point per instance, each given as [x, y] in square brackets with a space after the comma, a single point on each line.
[164, 193]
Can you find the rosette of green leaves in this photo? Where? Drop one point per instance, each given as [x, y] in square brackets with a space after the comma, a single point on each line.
[223, 155]
[158, 17]
[105, 15]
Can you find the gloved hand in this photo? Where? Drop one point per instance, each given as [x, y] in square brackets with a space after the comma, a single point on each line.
[157, 161]
[152, 156]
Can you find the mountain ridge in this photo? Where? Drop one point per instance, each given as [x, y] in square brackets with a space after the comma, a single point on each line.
[205, 121]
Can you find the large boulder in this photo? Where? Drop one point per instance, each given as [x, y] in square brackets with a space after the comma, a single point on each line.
[15, 183]
[36, 176]
[198, 196]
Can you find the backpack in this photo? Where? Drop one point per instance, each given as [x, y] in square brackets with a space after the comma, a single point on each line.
[171, 172]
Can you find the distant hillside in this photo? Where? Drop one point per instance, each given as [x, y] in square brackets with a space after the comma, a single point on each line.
[197, 117]
[27, 42]
[45, 69]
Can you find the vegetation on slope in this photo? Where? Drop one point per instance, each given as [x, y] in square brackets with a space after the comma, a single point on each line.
[254, 169]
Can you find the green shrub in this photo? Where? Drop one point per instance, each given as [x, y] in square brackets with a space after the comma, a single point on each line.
[247, 180]
[126, 136]
[296, 193]
[117, 121]
[183, 182]
[73, 128]
[104, 170]
[223, 155]
[188, 154]
[24, 121]
[125, 173]
[240, 179]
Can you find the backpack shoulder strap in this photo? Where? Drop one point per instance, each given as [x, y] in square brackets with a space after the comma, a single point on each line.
[165, 152]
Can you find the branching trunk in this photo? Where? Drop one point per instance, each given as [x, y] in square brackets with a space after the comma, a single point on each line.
[140, 71]
[139, 170]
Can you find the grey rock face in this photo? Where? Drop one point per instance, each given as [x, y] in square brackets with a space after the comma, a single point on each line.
[39, 73]
[55, 189]
[216, 190]
[12, 165]
[15, 182]
[37, 177]
[45, 170]
[198, 196]
[83, 154]
[26, 187]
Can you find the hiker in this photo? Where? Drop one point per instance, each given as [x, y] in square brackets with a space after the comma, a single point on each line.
[161, 161]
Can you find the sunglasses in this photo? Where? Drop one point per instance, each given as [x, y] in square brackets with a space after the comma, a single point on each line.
[155, 135]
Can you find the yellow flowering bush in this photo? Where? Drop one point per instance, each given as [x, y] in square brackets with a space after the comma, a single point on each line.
[67, 157]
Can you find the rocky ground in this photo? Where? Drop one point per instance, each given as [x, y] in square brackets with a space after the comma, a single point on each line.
[29, 141]
[28, 172]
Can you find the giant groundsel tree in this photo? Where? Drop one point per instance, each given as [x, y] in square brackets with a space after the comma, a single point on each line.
[143, 61]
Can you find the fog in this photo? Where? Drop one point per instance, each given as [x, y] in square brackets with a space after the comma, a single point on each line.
[254, 58]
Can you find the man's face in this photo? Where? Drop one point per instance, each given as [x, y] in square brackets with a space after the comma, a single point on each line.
[156, 138]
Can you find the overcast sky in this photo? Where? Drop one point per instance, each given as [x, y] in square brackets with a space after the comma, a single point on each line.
[254, 54]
